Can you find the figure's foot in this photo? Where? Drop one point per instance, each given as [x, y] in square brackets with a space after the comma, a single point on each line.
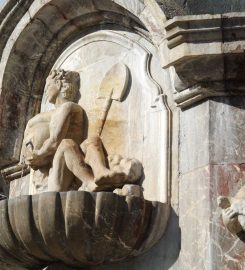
[131, 168]
[88, 186]
[92, 187]
[107, 177]
[129, 190]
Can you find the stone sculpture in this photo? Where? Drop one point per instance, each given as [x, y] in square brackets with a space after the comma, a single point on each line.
[54, 143]
[67, 225]
[233, 211]
[76, 227]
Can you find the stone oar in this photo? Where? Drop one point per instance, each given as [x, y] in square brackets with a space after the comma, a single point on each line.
[11, 173]
[113, 87]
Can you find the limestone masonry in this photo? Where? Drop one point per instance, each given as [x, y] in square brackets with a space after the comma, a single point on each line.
[122, 134]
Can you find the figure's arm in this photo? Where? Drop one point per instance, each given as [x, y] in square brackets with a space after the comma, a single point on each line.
[34, 121]
[59, 125]
[41, 117]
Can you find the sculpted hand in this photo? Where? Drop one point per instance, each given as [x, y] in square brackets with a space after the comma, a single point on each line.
[230, 213]
[33, 159]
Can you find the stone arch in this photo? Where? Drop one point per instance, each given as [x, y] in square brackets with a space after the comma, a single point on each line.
[39, 36]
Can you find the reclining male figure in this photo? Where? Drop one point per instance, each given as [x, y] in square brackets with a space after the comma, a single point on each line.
[53, 139]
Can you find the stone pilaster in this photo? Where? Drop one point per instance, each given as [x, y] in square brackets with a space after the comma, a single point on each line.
[211, 164]
[205, 55]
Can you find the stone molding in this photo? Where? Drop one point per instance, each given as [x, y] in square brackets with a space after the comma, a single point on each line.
[206, 56]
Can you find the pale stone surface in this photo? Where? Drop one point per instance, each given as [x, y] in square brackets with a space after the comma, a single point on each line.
[135, 7]
[233, 206]
[198, 115]
[129, 190]
[130, 126]
[195, 226]
[230, 148]
[207, 172]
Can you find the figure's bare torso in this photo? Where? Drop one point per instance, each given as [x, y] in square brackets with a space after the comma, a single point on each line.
[75, 130]
[40, 127]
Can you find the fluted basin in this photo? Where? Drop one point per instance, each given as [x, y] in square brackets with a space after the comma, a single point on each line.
[77, 228]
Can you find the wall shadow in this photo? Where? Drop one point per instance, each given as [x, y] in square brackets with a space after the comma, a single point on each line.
[160, 257]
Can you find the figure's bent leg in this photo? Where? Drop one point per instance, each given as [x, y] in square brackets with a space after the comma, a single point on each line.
[60, 178]
[95, 157]
[68, 161]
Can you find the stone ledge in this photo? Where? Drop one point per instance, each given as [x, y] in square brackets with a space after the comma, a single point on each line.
[207, 53]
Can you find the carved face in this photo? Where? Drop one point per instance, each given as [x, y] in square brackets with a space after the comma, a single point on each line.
[52, 90]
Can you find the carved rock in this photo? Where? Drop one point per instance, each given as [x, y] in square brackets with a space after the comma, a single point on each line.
[129, 190]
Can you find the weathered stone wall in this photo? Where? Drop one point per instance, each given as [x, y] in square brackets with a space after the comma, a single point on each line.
[194, 7]
[215, 167]
[207, 137]
[46, 29]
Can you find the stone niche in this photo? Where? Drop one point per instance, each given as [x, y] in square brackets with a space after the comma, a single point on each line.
[136, 126]
[82, 228]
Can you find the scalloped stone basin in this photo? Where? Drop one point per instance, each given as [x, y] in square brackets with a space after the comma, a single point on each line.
[78, 228]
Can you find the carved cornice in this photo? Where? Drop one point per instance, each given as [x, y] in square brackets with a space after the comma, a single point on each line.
[207, 53]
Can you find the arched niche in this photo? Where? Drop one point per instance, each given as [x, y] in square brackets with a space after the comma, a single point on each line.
[48, 36]
[38, 37]
[138, 125]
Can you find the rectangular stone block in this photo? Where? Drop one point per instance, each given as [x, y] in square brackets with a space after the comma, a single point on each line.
[194, 138]
[19, 187]
[201, 225]
[227, 136]
[227, 251]
[194, 210]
